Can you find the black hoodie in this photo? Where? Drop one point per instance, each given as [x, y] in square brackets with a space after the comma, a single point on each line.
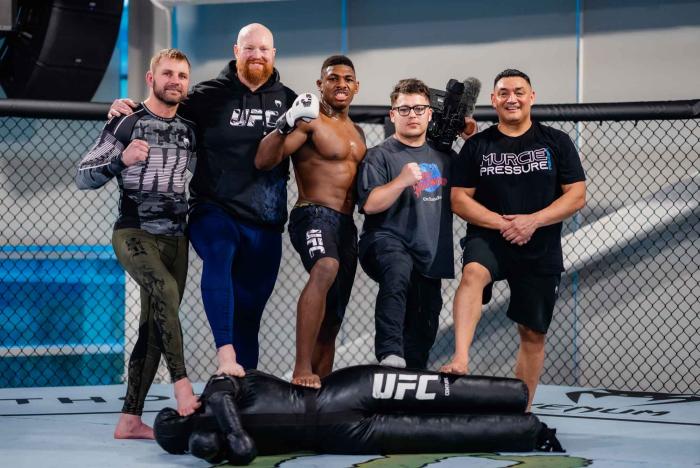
[231, 120]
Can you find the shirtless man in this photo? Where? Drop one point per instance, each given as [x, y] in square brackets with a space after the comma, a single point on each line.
[327, 149]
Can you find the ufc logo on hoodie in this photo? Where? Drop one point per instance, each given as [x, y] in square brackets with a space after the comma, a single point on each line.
[251, 117]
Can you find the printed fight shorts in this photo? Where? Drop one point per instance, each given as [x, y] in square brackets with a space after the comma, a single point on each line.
[317, 232]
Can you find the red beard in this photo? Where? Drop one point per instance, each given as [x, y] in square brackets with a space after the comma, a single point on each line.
[254, 76]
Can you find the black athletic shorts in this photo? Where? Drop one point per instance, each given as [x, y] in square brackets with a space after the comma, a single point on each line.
[317, 232]
[532, 295]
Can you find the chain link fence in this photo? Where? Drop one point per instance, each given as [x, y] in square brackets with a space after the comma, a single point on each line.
[627, 318]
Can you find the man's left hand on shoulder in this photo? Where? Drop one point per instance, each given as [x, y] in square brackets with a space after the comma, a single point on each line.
[520, 228]
[470, 128]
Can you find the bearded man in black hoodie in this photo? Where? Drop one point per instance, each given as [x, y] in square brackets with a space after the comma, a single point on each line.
[237, 213]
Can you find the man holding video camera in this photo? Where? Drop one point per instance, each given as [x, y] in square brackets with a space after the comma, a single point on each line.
[406, 242]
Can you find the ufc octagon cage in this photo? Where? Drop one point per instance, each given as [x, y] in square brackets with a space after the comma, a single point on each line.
[628, 316]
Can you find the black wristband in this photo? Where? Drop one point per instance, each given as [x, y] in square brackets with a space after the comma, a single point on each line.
[283, 126]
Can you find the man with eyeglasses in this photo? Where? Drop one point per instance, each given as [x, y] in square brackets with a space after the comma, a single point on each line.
[406, 242]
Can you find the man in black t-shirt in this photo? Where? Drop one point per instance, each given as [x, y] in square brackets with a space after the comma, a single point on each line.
[514, 184]
[406, 241]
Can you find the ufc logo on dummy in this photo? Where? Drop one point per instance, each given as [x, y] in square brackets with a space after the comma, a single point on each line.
[314, 238]
[397, 385]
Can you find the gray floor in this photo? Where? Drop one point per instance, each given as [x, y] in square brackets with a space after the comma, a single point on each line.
[72, 427]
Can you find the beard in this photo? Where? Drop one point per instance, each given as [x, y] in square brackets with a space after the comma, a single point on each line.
[256, 77]
[160, 92]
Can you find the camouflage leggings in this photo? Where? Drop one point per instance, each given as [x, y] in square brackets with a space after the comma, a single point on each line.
[159, 265]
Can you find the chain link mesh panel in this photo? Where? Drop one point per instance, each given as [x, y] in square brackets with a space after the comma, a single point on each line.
[627, 316]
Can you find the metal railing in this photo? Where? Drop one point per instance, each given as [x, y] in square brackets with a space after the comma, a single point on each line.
[627, 317]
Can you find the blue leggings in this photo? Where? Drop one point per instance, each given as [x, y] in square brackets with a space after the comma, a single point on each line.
[240, 269]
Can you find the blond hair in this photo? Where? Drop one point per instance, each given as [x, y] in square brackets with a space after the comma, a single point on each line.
[173, 54]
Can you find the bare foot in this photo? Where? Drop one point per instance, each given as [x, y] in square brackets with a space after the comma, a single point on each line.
[187, 402]
[306, 379]
[456, 366]
[130, 426]
[227, 362]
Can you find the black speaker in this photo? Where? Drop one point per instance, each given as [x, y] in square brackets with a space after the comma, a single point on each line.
[61, 49]
[8, 11]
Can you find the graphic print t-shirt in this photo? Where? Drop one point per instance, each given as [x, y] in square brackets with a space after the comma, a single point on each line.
[521, 175]
[421, 217]
[152, 193]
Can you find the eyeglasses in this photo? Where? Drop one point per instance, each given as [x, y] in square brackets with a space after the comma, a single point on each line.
[417, 109]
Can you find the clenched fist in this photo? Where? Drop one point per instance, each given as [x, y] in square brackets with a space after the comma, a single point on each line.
[136, 152]
[410, 175]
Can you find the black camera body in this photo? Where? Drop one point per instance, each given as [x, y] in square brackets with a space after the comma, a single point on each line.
[450, 107]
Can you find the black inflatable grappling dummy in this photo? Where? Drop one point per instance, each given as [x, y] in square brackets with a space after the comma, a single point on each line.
[358, 410]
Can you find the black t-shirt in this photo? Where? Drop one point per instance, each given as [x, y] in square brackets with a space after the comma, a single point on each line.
[421, 217]
[521, 175]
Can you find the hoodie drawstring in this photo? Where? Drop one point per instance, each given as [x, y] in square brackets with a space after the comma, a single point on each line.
[244, 109]
[262, 106]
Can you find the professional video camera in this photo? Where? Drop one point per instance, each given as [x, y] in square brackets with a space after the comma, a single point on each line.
[449, 109]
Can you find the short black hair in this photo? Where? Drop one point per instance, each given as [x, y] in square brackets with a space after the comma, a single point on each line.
[508, 72]
[337, 60]
[409, 86]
